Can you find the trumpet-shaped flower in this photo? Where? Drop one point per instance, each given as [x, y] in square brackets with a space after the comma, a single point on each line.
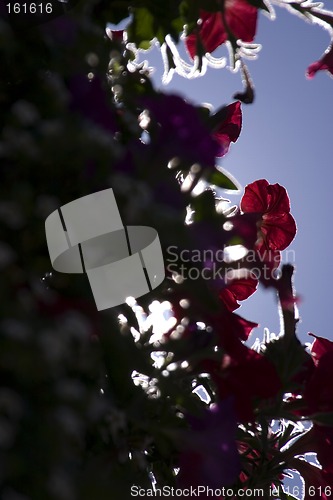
[277, 227]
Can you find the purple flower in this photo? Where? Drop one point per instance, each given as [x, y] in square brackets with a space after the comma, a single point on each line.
[92, 100]
[180, 130]
[210, 455]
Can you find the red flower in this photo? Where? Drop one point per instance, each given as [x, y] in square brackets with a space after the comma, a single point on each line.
[320, 347]
[247, 376]
[117, 35]
[242, 372]
[240, 18]
[229, 327]
[238, 289]
[277, 227]
[229, 129]
[319, 390]
[325, 63]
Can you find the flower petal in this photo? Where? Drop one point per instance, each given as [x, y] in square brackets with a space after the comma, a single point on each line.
[255, 197]
[279, 230]
[325, 63]
[320, 347]
[238, 289]
[211, 33]
[241, 20]
[262, 197]
[228, 131]
[278, 199]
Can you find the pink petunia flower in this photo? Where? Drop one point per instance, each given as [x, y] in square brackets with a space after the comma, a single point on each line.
[240, 19]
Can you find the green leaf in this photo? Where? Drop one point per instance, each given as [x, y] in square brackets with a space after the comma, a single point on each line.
[141, 31]
[223, 179]
[289, 357]
[155, 19]
[145, 45]
[204, 206]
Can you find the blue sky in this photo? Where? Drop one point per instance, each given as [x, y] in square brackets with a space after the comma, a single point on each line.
[286, 138]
